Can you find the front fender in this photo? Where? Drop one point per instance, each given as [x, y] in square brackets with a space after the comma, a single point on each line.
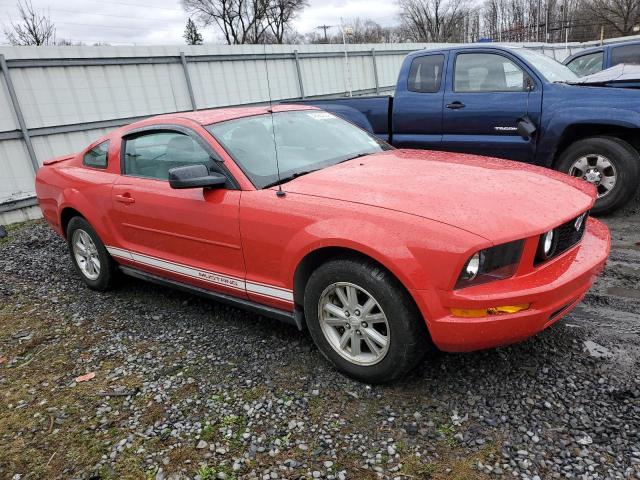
[422, 254]
[556, 126]
[362, 236]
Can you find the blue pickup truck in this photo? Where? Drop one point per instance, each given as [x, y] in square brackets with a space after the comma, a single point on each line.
[512, 103]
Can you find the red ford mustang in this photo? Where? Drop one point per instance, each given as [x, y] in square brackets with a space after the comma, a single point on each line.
[378, 252]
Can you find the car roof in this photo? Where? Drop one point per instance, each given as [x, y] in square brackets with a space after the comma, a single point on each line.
[471, 46]
[600, 48]
[216, 115]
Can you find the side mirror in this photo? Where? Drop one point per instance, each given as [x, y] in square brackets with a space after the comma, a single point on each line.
[526, 128]
[195, 176]
[529, 84]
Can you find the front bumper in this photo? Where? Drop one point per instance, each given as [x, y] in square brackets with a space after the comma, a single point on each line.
[552, 289]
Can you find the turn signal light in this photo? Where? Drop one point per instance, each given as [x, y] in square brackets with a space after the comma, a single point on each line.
[484, 312]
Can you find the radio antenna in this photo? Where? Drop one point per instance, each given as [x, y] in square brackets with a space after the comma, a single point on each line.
[279, 192]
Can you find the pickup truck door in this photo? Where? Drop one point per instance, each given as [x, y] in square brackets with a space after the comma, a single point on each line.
[189, 235]
[417, 105]
[487, 93]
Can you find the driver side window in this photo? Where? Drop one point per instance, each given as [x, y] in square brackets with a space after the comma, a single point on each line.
[487, 72]
[152, 155]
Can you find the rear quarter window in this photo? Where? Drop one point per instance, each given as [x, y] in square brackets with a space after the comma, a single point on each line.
[425, 74]
[629, 54]
[97, 157]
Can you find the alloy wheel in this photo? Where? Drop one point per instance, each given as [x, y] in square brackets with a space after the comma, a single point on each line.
[86, 254]
[596, 169]
[353, 323]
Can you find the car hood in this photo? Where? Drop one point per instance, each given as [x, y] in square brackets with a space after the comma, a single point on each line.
[497, 199]
[618, 74]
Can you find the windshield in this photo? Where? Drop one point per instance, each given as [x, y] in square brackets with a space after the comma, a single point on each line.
[550, 69]
[306, 140]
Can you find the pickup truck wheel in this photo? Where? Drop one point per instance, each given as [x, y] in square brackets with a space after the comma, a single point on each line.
[363, 321]
[611, 164]
[89, 255]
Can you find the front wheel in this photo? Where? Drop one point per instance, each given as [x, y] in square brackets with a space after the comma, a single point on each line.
[610, 164]
[363, 321]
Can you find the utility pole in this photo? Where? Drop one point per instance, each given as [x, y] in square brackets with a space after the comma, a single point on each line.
[346, 31]
[324, 28]
[538, 24]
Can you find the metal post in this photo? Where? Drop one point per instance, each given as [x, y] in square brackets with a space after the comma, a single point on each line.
[300, 83]
[183, 60]
[19, 116]
[375, 70]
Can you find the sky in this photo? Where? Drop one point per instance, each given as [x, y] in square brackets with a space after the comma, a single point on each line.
[162, 22]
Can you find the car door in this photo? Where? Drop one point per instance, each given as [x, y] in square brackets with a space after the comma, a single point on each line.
[487, 93]
[417, 106]
[190, 235]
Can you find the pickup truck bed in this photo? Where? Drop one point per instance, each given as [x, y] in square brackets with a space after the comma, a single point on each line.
[370, 113]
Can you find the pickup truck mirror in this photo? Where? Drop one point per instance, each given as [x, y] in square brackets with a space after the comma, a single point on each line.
[529, 84]
[195, 176]
[526, 128]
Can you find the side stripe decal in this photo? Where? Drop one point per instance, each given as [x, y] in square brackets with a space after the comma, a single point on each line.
[204, 275]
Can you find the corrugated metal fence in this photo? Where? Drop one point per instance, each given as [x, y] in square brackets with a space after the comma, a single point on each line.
[56, 100]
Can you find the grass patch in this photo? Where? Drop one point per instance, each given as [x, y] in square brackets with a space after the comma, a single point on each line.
[15, 228]
[210, 473]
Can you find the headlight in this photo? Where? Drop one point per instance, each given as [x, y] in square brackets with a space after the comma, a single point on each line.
[493, 263]
[547, 245]
[472, 267]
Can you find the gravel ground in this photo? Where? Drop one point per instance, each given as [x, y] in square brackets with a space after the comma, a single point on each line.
[187, 388]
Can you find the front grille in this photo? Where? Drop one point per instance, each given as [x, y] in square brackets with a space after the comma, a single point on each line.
[566, 237]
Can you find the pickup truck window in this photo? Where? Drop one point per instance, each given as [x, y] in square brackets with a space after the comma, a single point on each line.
[629, 54]
[425, 74]
[487, 72]
[97, 156]
[151, 155]
[586, 64]
[306, 141]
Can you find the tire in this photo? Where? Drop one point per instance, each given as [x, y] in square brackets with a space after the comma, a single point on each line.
[407, 339]
[101, 278]
[624, 159]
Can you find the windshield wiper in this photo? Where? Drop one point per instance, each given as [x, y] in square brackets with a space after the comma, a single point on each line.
[289, 178]
[359, 155]
[305, 172]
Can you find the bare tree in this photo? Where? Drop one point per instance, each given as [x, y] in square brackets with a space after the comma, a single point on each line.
[63, 42]
[33, 28]
[191, 34]
[620, 15]
[279, 15]
[434, 20]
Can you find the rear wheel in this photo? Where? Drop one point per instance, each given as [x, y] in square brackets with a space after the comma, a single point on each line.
[89, 255]
[363, 321]
[610, 164]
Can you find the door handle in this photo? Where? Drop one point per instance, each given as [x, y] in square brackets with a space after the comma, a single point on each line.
[455, 105]
[125, 198]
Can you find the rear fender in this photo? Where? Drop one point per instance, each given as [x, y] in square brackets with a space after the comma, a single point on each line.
[76, 200]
